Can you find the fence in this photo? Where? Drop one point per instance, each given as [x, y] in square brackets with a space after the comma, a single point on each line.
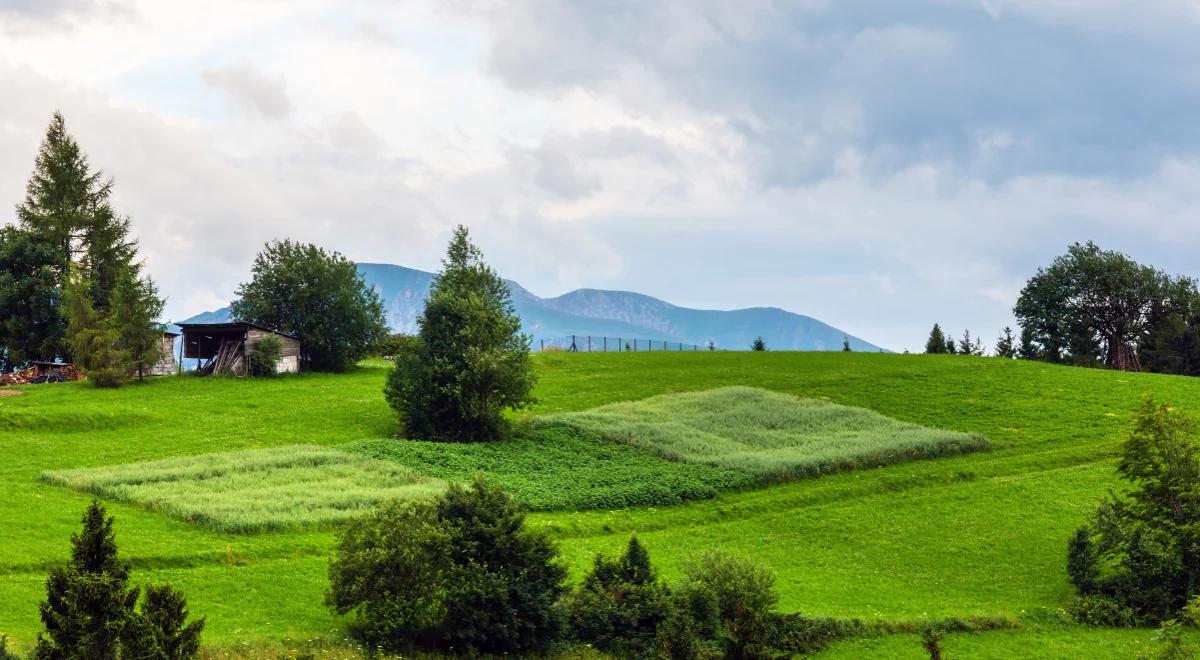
[591, 344]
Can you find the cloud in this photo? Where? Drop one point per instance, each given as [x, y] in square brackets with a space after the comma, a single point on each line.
[251, 90]
[25, 14]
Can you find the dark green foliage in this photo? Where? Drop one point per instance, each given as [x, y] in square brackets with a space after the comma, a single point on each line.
[5, 653]
[31, 325]
[1006, 344]
[94, 339]
[132, 315]
[1029, 348]
[90, 610]
[469, 362]
[393, 345]
[459, 574]
[1143, 550]
[1095, 610]
[557, 467]
[936, 344]
[160, 630]
[796, 633]
[317, 296]
[950, 346]
[1090, 306]
[758, 344]
[931, 641]
[846, 345]
[620, 604]
[265, 356]
[744, 594]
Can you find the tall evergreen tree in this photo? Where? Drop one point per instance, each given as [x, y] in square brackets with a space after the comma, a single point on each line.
[965, 345]
[469, 361]
[758, 344]
[936, 343]
[1028, 349]
[1006, 344]
[93, 338]
[951, 346]
[135, 308]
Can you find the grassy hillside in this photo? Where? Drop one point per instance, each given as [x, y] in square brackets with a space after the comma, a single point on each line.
[976, 534]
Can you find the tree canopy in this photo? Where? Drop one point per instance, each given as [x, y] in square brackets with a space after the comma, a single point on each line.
[317, 296]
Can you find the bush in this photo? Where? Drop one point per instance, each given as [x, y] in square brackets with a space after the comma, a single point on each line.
[265, 357]
[620, 605]
[1101, 611]
[393, 345]
[461, 574]
[6, 654]
[469, 362]
[1146, 541]
[744, 595]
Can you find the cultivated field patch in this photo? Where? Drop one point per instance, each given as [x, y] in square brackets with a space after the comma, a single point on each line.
[256, 490]
[773, 436]
[558, 467]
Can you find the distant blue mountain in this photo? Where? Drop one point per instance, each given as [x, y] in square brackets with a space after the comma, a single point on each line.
[608, 313]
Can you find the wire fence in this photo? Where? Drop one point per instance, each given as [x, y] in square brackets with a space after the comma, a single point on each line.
[592, 344]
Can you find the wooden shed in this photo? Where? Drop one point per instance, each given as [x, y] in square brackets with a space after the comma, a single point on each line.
[224, 347]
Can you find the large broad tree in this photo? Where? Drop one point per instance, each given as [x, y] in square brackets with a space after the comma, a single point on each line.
[31, 325]
[1090, 305]
[318, 296]
[469, 361]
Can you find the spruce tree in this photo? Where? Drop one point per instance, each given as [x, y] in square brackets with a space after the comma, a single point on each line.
[846, 344]
[93, 338]
[1029, 349]
[469, 361]
[1006, 346]
[965, 345]
[135, 308]
[951, 347]
[88, 602]
[758, 344]
[936, 343]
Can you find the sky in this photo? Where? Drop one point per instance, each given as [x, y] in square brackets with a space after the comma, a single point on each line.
[878, 165]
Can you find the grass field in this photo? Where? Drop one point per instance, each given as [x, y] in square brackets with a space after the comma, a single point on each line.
[256, 490]
[976, 534]
[773, 436]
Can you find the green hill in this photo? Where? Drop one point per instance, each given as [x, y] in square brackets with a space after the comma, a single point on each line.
[973, 535]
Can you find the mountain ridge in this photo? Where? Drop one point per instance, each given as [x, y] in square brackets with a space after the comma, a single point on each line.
[611, 313]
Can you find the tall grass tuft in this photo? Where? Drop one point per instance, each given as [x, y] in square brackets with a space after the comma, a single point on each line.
[776, 437]
[256, 490]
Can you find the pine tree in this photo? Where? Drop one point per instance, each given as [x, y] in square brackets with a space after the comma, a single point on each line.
[845, 344]
[1029, 349]
[469, 361]
[951, 347]
[1006, 344]
[93, 339]
[88, 601]
[965, 345]
[936, 343]
[133, 320]
[758, 344]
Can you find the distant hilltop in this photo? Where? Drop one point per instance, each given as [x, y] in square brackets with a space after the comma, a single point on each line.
[609, 313]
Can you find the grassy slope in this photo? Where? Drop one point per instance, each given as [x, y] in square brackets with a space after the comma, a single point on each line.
[982, 533]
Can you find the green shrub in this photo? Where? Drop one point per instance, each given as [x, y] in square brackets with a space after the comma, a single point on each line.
[394, 344]
[1101, 611]
[1146, 541]
[265, 356]
[5, 653]
[744, 593]
[620, 604]
[796, 633]
[469, 362]
[461, 574]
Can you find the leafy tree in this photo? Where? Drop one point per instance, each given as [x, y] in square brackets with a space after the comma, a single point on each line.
[31, 325]
[1172, 343]
[620, 605]
[317, 296]
[1142, 550]
[1006, 344]
[1096, 304]
[461, 573]
[758, 344]
[469, 362]
[744, 594]
[90, 610]
[936, 343]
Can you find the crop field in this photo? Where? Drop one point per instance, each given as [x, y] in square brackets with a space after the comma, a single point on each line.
[980, 534]
[775, 437]
[255, 490]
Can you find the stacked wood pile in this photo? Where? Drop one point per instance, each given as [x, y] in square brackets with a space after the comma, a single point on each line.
[37, 375]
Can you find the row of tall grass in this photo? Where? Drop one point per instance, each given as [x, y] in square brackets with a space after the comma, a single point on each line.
[773, 436]
[256, 490]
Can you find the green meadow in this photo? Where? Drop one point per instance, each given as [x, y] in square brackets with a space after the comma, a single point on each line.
[979, 534]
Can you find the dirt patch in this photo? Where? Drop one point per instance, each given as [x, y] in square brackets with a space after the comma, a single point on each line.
[11, 392]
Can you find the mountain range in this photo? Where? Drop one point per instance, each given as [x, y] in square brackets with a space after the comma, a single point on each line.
[616, 314]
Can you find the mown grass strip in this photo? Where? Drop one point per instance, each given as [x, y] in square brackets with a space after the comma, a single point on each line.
[773, 436]
[256, 490]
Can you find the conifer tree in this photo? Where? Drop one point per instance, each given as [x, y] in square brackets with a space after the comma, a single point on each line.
[937, 341]
[1006, 346]
[758, 344]
[965, 345]
[1028, 349]
[846, 344]
[469, 361]
[31, 325]
[93, 339]
[951, 347]
[132, 318]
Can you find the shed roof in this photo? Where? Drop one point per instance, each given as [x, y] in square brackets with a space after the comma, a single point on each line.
[232, 325]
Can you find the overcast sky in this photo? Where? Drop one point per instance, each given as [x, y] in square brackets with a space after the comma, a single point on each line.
[878, 165]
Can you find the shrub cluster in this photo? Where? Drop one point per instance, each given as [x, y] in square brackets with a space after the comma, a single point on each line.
[1138, 560]
[265, 357]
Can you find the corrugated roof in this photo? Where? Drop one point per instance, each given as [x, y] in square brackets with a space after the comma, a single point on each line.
[232, 325]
